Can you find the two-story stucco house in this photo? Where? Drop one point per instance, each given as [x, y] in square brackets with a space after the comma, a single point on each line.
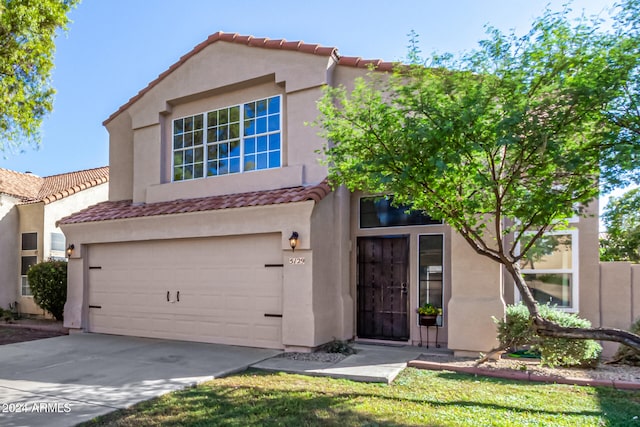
[30, 206]
[214, 170]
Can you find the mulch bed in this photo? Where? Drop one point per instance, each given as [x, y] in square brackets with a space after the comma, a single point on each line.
[12, 335]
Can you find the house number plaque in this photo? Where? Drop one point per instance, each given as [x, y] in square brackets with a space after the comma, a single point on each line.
[296, 260]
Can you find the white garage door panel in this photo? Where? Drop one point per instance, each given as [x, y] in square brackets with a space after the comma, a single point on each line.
[225, 290]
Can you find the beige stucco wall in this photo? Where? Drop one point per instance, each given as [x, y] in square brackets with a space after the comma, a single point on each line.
[476, 289]
[332, 300]
[120, 157]
[619, 298]
[9, 251]
[53, 212]
[41, 218]
[589, 259]
[31, 221]
[141, 134]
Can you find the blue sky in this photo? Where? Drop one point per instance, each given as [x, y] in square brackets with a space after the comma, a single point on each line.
[114, 48]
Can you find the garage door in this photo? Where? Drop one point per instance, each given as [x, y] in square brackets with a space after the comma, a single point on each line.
[220, 290]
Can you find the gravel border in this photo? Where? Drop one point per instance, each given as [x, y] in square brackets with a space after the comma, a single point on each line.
[624, 373]
[314, 357]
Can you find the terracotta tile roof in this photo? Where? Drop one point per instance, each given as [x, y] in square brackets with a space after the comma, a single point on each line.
[124, 209]
[31, 188]
[23, 186]
[262, 42]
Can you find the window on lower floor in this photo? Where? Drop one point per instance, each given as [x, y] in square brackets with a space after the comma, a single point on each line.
[550, 269]
[26, 262]
[235, 139]
[431, 274]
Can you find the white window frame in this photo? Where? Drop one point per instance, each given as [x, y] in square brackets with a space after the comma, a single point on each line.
[574, 270]
[241, 138]
[441, 317]
[51, 238]
[24, 281]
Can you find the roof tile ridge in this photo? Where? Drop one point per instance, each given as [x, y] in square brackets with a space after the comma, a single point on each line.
[228, 37]
[90, 182]
[75, 172]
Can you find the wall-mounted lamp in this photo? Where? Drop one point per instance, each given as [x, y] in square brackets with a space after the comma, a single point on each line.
[293, 240]
[70, 249]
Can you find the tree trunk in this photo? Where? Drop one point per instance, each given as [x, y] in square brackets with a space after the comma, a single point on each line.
[547, 328]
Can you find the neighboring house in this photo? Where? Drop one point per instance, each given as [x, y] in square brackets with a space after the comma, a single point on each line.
[30, 206]
[213, 170]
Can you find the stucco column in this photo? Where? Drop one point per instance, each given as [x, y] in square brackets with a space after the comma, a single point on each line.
[73, 308]
[298, 329]
[476, 296]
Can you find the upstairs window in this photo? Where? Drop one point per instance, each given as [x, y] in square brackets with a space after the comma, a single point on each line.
[235, 139]
[29, 241]
[58, 242]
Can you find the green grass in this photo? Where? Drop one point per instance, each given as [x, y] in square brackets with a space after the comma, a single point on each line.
[416, 398]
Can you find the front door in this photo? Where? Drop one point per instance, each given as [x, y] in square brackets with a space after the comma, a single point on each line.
[383, 296]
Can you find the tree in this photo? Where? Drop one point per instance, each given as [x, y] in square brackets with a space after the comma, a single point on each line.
[27, 32]
[622, 219]
[503, 143]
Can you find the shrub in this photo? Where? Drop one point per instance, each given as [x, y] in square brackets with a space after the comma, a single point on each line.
[8, 315]
[517, 330]
[337, 346]
[48, 283]
[626, 354]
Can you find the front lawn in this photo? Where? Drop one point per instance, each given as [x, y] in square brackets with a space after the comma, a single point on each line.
[416, 398]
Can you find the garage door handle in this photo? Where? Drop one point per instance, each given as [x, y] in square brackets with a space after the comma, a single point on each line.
[169, 297]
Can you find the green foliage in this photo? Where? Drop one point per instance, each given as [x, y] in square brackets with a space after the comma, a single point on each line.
[626, 354]
[622, 220]
[429, 309]
[503, 143]
[27, 32]
[515, 129]
[338, 346]
[516, 330]
[48, 283]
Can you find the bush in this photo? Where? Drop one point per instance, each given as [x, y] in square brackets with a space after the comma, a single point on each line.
[337, 346]
[48, 283]
[517, 330]
[626, 354]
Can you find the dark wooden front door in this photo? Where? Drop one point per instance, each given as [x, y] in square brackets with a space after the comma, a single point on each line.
[383, 295]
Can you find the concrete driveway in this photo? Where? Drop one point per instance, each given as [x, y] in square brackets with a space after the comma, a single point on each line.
[66, 380]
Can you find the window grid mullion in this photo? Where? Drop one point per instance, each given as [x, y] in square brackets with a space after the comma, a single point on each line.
[241, 136]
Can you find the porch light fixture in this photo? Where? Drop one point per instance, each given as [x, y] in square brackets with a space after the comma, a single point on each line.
[293, 240]
[70, 249]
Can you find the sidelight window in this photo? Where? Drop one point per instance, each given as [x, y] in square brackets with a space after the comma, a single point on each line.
[431, 274]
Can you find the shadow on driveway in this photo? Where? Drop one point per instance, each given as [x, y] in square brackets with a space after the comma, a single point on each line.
[66, 380]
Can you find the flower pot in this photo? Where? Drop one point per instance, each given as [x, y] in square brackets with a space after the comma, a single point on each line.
[428, 319]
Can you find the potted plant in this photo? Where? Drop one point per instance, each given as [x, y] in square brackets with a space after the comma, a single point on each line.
[428, 313]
